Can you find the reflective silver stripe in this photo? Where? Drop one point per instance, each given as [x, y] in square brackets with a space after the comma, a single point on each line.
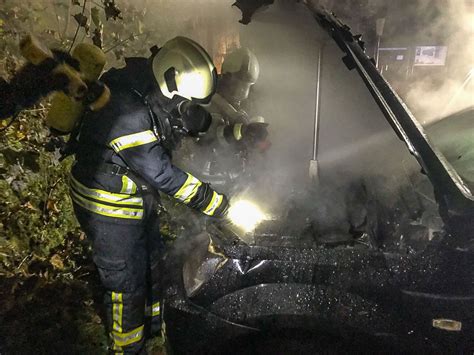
[133, 140]
[155, 310]
[106, 210]
[188, 190]
[128, 186]
[105, 196]
[124, 339]
[214, 204]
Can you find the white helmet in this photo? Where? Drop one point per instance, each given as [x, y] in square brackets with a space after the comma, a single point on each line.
[241, 69]
[182, 67]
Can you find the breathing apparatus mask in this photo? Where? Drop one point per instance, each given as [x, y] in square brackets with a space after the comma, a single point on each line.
[176, 118]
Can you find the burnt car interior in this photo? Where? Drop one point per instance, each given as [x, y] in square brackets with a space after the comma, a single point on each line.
[375, 251]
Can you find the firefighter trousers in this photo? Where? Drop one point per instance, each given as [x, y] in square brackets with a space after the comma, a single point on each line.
[127, 257]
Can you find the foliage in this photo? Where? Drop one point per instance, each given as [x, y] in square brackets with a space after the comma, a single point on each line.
[114, 28]
[35, 211]
[44, 258]
[36, 215]
[49, 292]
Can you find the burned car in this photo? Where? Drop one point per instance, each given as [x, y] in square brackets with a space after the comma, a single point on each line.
[382, 263]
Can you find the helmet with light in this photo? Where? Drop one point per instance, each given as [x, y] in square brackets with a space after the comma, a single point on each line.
[183, 68]
[184, 78]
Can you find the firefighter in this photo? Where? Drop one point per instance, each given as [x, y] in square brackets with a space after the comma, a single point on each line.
[225, 147]
[123, 158]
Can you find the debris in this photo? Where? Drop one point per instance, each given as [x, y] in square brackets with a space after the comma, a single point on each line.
[57, 262]
[447, 324]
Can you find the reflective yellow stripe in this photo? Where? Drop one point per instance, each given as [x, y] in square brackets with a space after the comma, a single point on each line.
[121, 309]
[214, 204]
[105, 196]
[133, 140]
[155, 309]
[117, 311]
[124, 339]
[117, 349]
[188, 190]
[106, 210]
[238, 131]
[128, 186]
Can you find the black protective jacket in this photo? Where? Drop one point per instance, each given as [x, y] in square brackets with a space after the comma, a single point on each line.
[123, 137]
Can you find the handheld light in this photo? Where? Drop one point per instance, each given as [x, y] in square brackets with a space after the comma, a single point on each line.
[245, 215]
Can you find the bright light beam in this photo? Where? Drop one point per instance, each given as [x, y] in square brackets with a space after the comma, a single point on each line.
[245, 215]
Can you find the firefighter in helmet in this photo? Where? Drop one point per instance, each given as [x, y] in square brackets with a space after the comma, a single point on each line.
[233, 134]
[123, 158]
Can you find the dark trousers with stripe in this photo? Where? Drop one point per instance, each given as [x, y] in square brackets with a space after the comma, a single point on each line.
[127, 257]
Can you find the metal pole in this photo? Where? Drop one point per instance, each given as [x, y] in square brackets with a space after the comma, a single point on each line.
[377, 53]
[313, 166]
[379, 26]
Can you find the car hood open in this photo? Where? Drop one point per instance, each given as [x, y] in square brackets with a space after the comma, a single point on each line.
[453, 195]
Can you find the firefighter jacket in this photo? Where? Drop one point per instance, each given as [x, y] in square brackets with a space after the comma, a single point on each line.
[123, 136]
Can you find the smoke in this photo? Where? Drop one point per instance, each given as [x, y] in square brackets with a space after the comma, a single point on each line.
[430, 92]
[433, 97]
[355, 140]
[356, 145]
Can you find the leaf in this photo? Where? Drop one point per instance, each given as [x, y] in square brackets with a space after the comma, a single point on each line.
[29, 206]
[20, 135]
[51, 206]
[111, 10]
[95, 16]
[57, 262]
[98, 36]
[81, 19]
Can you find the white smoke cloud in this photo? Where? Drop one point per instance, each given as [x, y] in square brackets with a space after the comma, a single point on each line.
[432, 99]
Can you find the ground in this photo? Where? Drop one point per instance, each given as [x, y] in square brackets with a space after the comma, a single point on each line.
[47, 311]
[50, 295]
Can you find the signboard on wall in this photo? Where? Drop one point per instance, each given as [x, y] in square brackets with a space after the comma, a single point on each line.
[430, 55]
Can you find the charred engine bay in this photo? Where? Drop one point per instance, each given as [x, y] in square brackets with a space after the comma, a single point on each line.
[375, 276]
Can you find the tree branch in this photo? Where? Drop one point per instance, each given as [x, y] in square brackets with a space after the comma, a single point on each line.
[125, 41]
[78, 27]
